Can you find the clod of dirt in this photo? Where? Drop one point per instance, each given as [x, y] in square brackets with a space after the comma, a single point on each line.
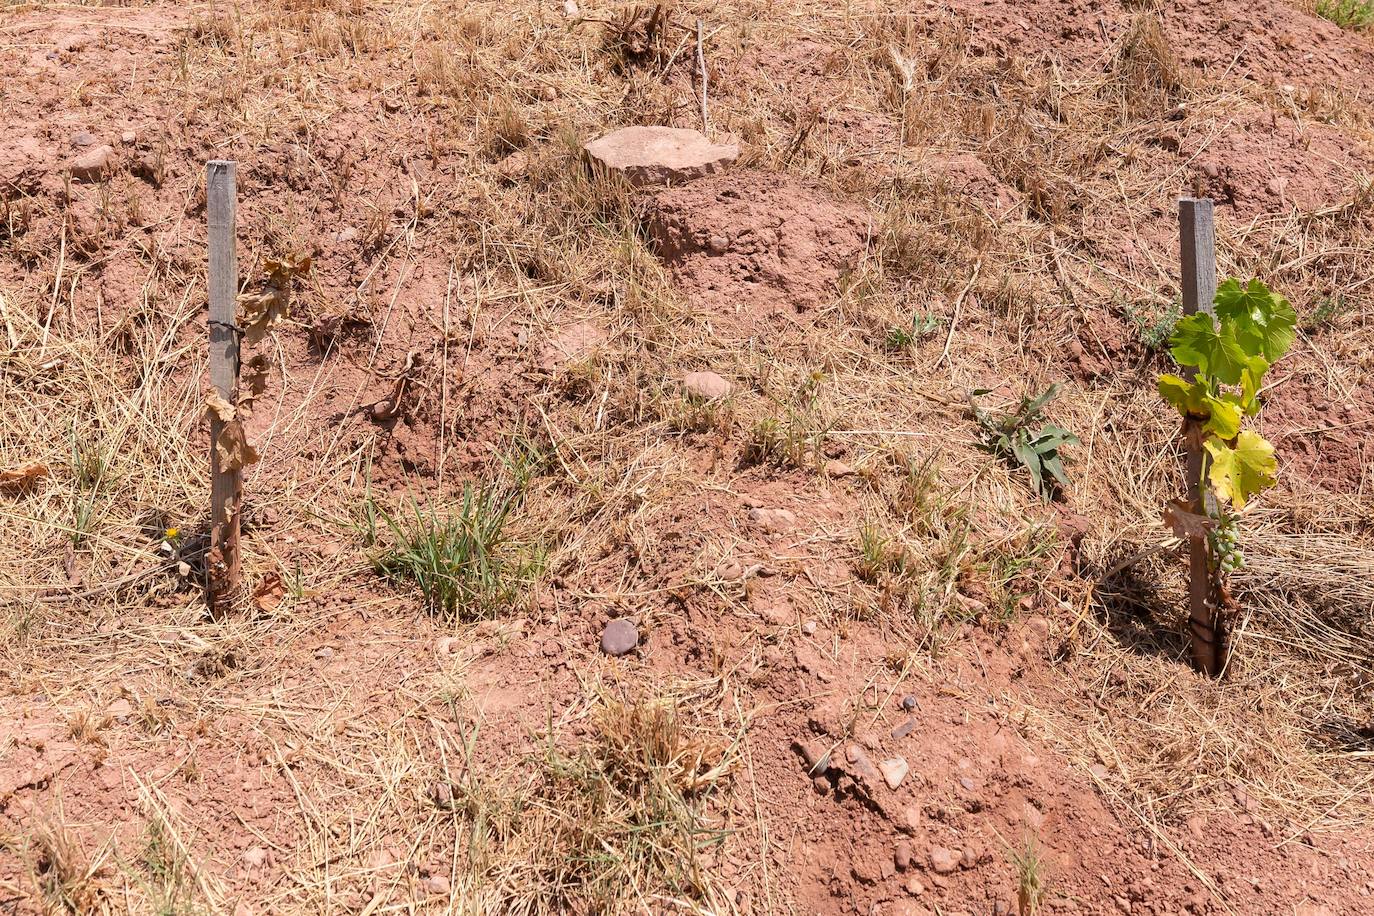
[94, 164]
[706, 386]
[619, 637]
[970, 176]
[757, 244]
[659, 155]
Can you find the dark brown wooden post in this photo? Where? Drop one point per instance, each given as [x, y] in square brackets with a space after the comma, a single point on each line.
[1197, 251]
[226, 486]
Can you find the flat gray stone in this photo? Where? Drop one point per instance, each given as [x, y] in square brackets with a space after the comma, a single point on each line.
[659, 155]
[619, 637]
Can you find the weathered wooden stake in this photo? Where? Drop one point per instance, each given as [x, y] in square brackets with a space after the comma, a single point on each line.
[226, 486]
[1197, 251]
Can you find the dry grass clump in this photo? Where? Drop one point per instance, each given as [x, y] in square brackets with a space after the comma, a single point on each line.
[1146, 70]
[616, 824]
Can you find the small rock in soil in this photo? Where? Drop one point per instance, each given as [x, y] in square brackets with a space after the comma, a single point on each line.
[943, 861]
[910, 819]
[894, 771]
[969, 857]
[551, 648]
[128, 138]
[835, 468]
[256, 857]
[814, 755]
[914, 887]
[94, 164]
[705, 385]
[83, 139]
[619, 637]
[324, 652]
[901, 855]
[659, 155]
[120, 710]
[909, 703]
[773, 519]
[901, 731]
[437, 884]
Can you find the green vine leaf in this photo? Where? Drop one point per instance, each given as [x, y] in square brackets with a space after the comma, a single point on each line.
[1264, 321]
[1197, 342]
[1241, 471]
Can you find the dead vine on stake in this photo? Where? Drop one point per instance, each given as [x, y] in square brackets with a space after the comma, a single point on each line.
[1252, 330]
[259, 313]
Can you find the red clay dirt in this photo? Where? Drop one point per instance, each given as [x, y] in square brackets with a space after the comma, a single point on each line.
[741, 247]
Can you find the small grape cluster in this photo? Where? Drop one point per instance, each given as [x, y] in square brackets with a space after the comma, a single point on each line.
[1225, 538]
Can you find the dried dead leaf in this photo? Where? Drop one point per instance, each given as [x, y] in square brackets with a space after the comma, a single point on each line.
[21, 478]
[1185, 521]
[254, 384]
[269, 593]
[216, 407]
[263, 310]
[235, 451]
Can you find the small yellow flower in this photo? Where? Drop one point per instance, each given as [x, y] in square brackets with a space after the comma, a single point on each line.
[172, 533]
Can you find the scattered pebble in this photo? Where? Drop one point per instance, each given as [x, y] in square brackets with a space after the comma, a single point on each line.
[809, 627]
[835, 468]
[619, 637]
[904, 729]
[120, 710]
[706, 386]
[437, 884]
[909, 703]
[894, 771]
[256, 857]
[901, 855]
[914, 887]
[324, 652]
[128, 138]
[83, 139]
[94, 164]
[943, 861]
[773, 519]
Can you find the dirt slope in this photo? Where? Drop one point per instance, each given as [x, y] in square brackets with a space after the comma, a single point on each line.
[823, 566]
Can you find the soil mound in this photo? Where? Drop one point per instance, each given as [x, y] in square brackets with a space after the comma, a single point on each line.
[757, 244]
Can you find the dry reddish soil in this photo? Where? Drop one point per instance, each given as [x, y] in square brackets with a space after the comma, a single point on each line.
[229, 736]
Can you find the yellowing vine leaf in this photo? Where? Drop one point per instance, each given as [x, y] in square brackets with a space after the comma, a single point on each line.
[1239, 472]
[1192, 399]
